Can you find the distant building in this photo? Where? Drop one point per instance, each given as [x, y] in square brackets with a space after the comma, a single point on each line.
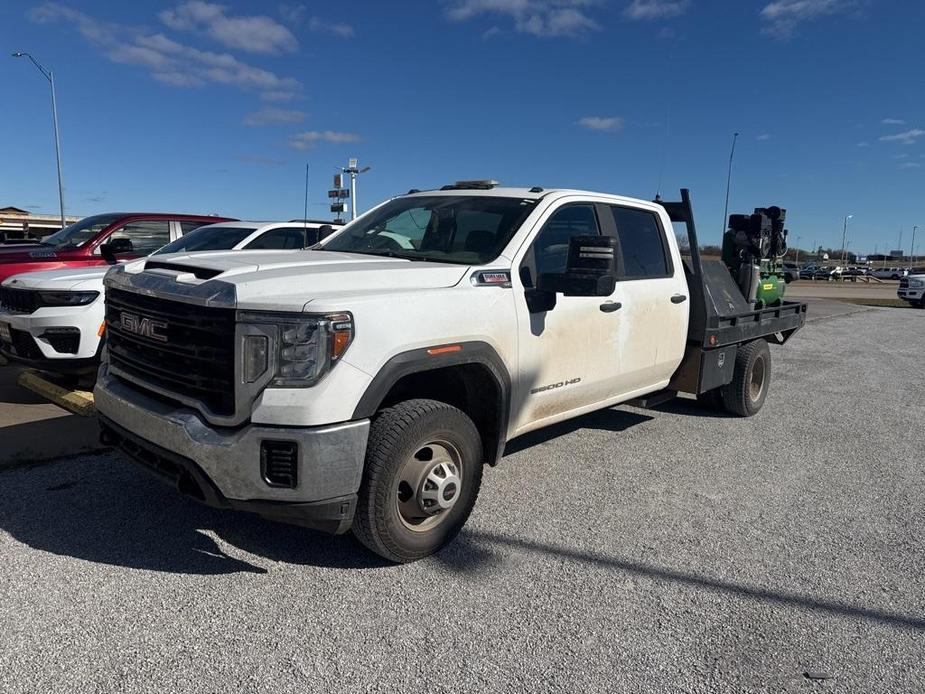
[22, 224]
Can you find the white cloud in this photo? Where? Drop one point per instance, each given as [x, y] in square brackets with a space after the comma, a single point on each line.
[167, 61]
[763, 136]
[269, 116]
[900, 156]
[909, 165]
[863, 144]
[893, 121]
[256, 33]
[908, 137]
[656, 9]
[309, 139]
[536, 17]
[783, 16]
[339, 29]
[600, 123]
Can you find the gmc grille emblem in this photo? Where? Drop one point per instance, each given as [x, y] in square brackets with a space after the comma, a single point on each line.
[146, 327]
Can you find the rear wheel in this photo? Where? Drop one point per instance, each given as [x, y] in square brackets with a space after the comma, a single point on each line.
[422, 475]
[745, 394]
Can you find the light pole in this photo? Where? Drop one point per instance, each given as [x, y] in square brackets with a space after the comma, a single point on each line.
[50, 76]
[796, 260]
[844, 237]
[352, 169]
[732, 152]
[912, 247]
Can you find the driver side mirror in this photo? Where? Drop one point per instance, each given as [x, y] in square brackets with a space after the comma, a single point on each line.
[590, 269]
[115, 247]
[324, 231]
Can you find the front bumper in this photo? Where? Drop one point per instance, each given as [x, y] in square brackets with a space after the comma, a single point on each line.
[222, 467]
[911, 294]
[85, 319]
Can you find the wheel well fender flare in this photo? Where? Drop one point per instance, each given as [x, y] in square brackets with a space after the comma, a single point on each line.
[421, 360]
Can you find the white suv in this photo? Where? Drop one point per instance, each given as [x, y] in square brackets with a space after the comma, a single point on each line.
[54, 319]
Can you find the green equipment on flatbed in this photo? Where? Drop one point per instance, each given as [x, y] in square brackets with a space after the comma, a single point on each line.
[753, 248]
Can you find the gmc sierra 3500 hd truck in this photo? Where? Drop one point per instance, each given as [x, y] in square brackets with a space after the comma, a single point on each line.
[363, 383]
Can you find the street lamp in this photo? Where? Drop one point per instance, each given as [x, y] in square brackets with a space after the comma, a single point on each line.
[844, 237]
[50, 76]
[912, 247]
[796, 260]
[352, 169]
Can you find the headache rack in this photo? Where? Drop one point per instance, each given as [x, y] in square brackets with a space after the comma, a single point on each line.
[720, 316]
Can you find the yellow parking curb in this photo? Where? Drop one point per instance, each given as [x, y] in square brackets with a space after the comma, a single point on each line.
[76, 401]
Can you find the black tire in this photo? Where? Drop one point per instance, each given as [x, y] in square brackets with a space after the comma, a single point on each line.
[396, 434]
[922, 302]
[745, 394]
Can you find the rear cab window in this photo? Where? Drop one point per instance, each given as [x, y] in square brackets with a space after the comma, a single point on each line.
[644, 251]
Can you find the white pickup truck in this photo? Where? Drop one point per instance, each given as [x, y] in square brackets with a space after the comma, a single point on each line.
[912, 289]
[363, 383]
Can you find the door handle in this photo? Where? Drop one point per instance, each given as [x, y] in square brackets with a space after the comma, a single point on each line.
[678, 299]
[611, 306]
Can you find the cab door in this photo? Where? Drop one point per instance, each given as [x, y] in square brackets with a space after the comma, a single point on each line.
[653, 290]
[567, 356]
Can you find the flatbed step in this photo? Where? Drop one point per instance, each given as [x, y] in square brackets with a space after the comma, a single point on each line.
[651, 400]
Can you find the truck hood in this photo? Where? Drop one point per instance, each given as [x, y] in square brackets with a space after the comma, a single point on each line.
[288, 280]
[67, 279]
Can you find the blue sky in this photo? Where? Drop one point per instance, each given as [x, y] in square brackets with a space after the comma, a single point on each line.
[217, 107]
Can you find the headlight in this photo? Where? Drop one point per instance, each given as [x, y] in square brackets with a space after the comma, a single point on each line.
[300, 348]
[67, 298]
[917, 283]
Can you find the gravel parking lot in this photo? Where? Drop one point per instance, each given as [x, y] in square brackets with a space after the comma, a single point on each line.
[674, 550]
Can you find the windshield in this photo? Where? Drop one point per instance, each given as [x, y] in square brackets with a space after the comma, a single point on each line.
[210, 238]
[77, 234]
[469, 230]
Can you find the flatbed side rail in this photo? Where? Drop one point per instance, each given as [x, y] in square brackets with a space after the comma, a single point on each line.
[775, 323]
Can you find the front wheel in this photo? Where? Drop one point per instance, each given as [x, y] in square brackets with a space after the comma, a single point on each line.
[745, 394]
[422, 476]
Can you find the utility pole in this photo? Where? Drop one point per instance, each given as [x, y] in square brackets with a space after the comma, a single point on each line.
[796, 260]
[732, 152]
[50, 76]
[912, 247]
[353, 171]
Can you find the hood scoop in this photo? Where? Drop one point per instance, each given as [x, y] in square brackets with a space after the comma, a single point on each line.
[200, 273]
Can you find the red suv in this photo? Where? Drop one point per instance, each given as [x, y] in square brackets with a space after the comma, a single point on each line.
[78, 245]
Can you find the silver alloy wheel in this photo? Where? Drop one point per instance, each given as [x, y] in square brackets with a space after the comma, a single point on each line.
[429, 484]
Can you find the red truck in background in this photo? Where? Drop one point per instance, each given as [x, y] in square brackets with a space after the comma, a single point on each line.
[78, 245]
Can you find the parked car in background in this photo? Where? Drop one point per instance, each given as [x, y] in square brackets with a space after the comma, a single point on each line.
[78, 245]
[827, 273]
[912, 288]
[790, 272]
[807, 272]
[890, 273]
[53, 319]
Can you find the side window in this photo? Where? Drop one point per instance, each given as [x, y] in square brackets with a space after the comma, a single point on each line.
[285, 238]
[549, 252]
[146, 237]
[642, 244]
[187, 227]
